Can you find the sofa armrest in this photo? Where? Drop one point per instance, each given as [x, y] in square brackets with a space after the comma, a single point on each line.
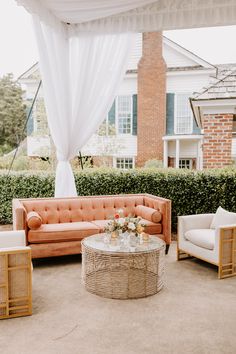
[164, 206]
[19, 215]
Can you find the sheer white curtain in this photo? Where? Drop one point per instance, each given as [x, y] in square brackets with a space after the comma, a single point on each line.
[134, 15]
[81, 74]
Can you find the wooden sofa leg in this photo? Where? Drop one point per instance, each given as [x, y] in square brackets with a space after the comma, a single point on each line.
[167, 248]
[181, 255]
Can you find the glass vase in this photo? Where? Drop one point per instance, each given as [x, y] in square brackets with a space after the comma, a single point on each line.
[124, 240]
[132, 239]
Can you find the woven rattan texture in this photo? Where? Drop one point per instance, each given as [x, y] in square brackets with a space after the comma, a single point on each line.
[123, 275]
[15, 284]
[227, 264]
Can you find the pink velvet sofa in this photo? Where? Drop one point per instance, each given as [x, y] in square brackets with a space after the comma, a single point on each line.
[56, 226]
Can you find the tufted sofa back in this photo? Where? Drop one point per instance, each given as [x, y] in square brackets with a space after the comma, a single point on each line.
[54, 211]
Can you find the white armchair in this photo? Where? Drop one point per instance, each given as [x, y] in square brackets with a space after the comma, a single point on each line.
[197, 238]
[15, 275]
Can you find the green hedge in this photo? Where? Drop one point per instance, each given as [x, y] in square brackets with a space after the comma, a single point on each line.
[191, 192]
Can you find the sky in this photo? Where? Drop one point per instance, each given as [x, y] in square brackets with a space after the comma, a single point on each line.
[18, 50]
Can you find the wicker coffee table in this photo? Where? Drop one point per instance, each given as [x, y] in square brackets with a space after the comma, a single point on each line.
[110, 271]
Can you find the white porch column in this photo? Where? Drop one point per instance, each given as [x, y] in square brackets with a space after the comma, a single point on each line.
[165, 159]
[200, 155]
[177, 153]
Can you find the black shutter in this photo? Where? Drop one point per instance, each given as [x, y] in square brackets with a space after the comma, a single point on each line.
[170, 113]
[134, 114]
[112, 119]
[112, 114]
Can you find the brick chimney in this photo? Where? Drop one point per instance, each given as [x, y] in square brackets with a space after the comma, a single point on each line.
[151, 99]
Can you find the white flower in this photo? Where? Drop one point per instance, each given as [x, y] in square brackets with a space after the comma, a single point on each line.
[131, 226]
[121, 221]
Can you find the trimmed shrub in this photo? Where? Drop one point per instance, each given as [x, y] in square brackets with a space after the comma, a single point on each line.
[22, 185]
[191, 192]
[153, 163]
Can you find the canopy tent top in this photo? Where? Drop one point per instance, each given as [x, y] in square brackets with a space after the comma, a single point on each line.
[133, 15]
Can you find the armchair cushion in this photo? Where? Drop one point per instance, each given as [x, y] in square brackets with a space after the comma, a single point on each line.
[147, 213]
[204, 238]
[34, 220]
[223, 217]
[10, 239]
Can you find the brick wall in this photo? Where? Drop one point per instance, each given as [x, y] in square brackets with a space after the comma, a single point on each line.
[151, 99]
[217, 140]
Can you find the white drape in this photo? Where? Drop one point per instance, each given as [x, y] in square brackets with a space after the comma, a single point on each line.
[81, 75]
[134, 15]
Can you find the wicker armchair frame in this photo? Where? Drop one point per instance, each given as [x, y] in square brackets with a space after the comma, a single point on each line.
[15, 282]
[227, 253]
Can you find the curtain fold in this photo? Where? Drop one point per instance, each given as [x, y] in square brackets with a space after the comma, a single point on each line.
[81, 74]
[79, 11]
[133, 15]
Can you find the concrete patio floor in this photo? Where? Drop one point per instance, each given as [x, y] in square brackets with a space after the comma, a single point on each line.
[194, 313]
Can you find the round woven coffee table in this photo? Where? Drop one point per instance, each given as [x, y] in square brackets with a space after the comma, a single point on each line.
[109, 270]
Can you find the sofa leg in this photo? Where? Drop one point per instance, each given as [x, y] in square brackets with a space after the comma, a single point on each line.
[181, 255]
[167, 248]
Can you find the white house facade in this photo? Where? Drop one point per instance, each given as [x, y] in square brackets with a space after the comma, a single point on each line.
[120, 134]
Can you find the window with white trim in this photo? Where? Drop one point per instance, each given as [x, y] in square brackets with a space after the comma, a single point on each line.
[124, 163]
[185, 163]
[183, 114]
[124, 114]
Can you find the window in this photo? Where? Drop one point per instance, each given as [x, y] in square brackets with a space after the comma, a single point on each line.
[185, 163]
[124, 163]
[120, 117]
[124, 114]
[183, 114]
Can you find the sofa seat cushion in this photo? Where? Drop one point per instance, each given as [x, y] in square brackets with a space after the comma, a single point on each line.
[152, 228]
[62, 232]
[204, 238]
[100, 224]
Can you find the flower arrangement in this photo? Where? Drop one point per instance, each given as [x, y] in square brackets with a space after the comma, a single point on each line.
[125, 224]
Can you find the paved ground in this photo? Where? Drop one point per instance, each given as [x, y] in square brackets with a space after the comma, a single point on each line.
[195, 313]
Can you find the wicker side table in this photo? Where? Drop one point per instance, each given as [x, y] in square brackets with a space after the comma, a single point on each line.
[110, 272]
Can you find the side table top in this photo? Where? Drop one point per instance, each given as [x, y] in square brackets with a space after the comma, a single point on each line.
[96, 242]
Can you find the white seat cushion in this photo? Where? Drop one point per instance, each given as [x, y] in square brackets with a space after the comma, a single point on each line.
[12, 238]
[204, 238]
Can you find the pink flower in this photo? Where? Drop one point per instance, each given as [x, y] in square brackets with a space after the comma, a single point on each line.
[116, 216]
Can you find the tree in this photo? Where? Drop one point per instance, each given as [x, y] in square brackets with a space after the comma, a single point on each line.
[12, 113]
